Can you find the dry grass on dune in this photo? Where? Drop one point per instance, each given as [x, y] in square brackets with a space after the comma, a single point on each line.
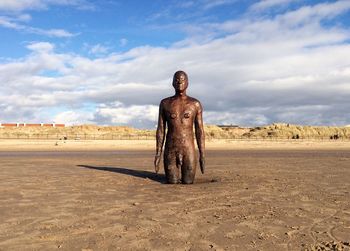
[280, 130]
[216, 132]
[80, 131]
[277, 130]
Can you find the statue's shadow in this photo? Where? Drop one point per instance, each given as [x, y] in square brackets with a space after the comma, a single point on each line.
[131, 172]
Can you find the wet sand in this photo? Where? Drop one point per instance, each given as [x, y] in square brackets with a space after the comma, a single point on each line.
[249, 199]
[107, 145]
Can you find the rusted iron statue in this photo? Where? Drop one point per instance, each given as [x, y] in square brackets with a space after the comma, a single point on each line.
[179, 113]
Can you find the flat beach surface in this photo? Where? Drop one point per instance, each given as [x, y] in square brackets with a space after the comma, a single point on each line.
[104, 195]
[110, 145]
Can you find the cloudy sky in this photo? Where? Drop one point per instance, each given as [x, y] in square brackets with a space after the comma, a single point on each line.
[110, 62]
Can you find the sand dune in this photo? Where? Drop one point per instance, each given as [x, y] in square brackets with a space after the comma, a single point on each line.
[279, 130]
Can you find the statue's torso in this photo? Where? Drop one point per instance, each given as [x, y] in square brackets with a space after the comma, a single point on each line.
[179, 114]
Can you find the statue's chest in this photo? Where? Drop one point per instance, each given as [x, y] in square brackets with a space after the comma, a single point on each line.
[180, 112]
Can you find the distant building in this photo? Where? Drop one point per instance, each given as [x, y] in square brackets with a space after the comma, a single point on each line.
[30, 125]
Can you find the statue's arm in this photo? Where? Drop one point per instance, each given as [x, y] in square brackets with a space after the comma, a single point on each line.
[160, 136]
[200, 136]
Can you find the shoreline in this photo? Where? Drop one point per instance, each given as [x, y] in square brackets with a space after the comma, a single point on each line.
[107, 145]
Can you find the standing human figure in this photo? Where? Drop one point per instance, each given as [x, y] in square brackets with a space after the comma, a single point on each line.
[179, 113]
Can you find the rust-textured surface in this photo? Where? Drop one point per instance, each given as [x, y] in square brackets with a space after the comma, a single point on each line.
[179, 114]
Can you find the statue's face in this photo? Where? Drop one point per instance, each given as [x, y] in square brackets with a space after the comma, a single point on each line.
[180, 82]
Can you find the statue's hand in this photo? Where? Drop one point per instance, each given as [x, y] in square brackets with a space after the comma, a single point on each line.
[202, 163]
[156, 163]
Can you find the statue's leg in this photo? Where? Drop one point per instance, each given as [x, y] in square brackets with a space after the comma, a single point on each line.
[171, 169]
[188, 168]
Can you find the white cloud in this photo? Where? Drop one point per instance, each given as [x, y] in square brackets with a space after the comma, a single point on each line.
[315, 13]
[52, 32]
[41, 47]
[243, 117]
[24, 17]
[98, 49]
[12, 24]
[72, 117]
[7, 23]
[22, 5]
[266, 4]
[19, 5]
[186, 4]
[256, 72]
[214, 3]
[123, 42]
[14, 16]
[134, 115]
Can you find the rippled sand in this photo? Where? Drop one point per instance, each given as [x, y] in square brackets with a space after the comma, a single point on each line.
[105, 196]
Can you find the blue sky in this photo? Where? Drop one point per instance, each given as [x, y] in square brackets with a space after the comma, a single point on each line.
[116, 25]
[111, 62]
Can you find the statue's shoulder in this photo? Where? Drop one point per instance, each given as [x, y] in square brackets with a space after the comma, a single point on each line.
[165, 101]
[195, 102]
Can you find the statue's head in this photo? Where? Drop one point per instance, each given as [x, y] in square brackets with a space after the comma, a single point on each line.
[180, 81]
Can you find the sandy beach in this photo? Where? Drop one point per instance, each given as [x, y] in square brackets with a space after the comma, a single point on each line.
[104, 195]
[107, 145]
